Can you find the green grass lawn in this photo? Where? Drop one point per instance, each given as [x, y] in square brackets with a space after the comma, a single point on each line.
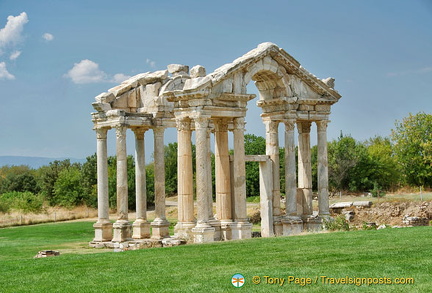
[388, 253]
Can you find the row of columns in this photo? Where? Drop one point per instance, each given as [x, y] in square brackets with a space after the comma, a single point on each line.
[230, 188]
[121, 230]
[230, 210]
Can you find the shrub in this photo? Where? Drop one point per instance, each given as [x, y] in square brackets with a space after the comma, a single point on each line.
[25, 201]
[337, 224]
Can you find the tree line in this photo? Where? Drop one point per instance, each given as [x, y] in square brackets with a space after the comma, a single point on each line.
[376, 165]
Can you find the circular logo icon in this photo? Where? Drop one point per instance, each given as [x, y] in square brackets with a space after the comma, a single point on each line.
[238, 280]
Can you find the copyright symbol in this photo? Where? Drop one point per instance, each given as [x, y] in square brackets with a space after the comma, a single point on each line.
[256, 280]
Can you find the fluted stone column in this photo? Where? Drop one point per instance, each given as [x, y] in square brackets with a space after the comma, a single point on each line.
[215, 223]
[292, 224]
[223, 178]
[141, 228]
[241, 229]
[223, 182]
[272, 150]
[304, 166]
[203, 231]
[290, 170]
[103, 227]
[160, 225]
[121, 226]
[186, 219]
[323, 194]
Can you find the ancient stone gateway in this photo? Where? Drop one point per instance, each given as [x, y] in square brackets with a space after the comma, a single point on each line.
[216, 103]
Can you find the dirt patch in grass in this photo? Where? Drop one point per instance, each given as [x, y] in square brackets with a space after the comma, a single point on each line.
[391, 212]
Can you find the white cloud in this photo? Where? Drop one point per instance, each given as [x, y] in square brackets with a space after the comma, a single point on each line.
[11, 33]
[15, 55]
[4, 74]
[86, 71]
[151, 63]
[48, 37]
[120, 77]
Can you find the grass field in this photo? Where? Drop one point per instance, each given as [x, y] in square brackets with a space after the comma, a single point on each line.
[388, 253]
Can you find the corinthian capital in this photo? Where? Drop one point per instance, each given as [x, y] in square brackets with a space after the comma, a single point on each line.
[101, 133]
[183, 124]
[239, 123]
[304, 126]
[322, 125]
[201, 122]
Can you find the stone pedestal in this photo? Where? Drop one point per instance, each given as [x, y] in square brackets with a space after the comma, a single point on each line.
[312, 224]
[292, 226]
[226, 233]
[241, 230]
[160, 229]
[122, 231]
[217, 226]
[183, 230]
[141, 229]
[103, 231]
[277, 226]
[203, 234]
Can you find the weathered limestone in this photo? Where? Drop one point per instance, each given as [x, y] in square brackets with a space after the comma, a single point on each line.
[121, 226]
[160, 225]
[241, 228]
[272, 150]
[103, 227]
[140, 228]
[304, 165]
[223, 178]
[323, 194]
[186, 219]
[216, 102]
[266, 169]
[203, 231]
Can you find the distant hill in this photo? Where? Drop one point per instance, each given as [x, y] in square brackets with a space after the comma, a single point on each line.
[32, 162]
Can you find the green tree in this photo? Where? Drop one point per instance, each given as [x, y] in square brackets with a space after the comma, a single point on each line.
[89, 180]
[48, 176]
[68, 191]
[18, 178]
[412, 139]
[254, 145]
[386, 173]
[348, 165]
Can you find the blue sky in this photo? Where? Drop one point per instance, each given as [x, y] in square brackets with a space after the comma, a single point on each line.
[56, 56]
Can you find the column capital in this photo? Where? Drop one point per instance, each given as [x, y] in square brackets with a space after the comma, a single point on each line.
[101, 133]
[239, 123]
[322, 125]
[271, 125]
[289, 124]
[304, 126]
[201, 122]
[120, 131]
[221, 125]
[139, 132]
[183, 124]
[158, 130]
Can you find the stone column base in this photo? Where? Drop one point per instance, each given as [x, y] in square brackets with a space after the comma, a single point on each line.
[241, 230]
[277, 226]
[183, 230]
[217, 225]
[226, 233]
[141, 229]
[292, 226]
[103, 231]
[203, 234]
[160, 229]
[122, 231]
[312, 224]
